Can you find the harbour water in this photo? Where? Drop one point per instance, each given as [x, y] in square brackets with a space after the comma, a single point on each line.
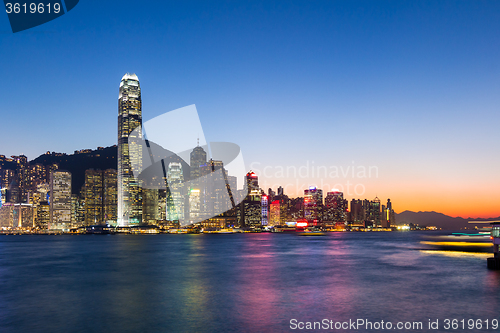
[236, 282]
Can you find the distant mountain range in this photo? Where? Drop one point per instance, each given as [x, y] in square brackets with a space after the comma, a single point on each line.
[439, 220]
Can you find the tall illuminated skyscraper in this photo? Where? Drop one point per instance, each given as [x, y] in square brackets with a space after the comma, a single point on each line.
[175, 199]
[313, 204]
[60, 200]
[129, 154]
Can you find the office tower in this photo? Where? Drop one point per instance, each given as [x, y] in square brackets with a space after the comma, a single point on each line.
[37, 175]
[100, 197]
[357, 213]
[194, 205]
[150, 212]
[374, 212]
[175, 195]
[388, 216]
[94, 213]
[60, 200]
[216, 191]
[198, 157]
[250, 213]
[252, 181]
[110, 190]
[129, 153]
[264, 209]
[274, 213]
[42, 219]
[22, 175]
[16, 216]
[313, 204]
[335, 207]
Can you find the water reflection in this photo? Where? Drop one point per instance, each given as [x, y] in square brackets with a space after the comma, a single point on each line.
[247, 282]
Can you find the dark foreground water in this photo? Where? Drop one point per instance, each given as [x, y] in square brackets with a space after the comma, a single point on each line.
[233, 283]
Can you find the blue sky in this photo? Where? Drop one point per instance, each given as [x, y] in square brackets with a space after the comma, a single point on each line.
[410, 87]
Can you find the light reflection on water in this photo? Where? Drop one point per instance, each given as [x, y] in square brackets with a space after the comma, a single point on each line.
[244, 282]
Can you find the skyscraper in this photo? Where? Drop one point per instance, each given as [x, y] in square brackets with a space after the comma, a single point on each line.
[335, 207]
[198, 157]
[313, 204]
[110, 195]
[60, 200]
[129, 154]
[94, 212]
[175, 199]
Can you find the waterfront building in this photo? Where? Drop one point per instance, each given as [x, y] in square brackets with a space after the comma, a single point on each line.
[17, 216]
[110, 201]
[313, 204]
[94, 212]
[129, 153]
[274, 213]
[42, 219]
[175, 199]
[335, 207]
[264, 209]
[252, 181]
[357, 213]
[60, 200]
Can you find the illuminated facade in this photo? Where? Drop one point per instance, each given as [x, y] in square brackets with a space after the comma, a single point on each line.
[100, 197]
[198, 157]
[374, 215]
[313, 204]
[110, 189]
[42, 218]
[252, 181]
[335, 207]
[60, 200]
[250, 212]
[274, 213]
[264, 205]
[17, 216]
[129, 118]
[94, 212]
[175, 197]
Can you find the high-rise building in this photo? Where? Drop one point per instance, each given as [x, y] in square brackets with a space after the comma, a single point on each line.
[274, 213]
[264, 205]
[42, 219]
[252, 181]
[374, 212]
[110, 200]
[335, 207]
[357, 212]
[60, 200]
[313, 204]
[198, 157]
[129, 153]
[388, 216]
[100, 197]
[94, 212]
[175, 195]
[250, 212]
[216, 189]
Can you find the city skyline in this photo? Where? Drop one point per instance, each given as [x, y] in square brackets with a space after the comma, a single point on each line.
[408, 88]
